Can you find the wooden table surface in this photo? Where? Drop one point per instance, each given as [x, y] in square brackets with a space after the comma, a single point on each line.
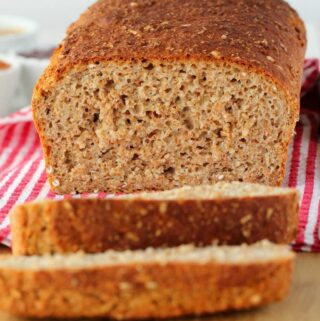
[302, 304]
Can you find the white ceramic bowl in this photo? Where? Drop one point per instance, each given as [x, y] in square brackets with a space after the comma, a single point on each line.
[22, 40]
[9, 81]
[31, 70]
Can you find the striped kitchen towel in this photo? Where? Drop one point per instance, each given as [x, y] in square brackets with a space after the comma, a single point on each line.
[23, 177]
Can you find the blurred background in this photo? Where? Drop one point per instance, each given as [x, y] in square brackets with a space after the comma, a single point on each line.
[46, 22]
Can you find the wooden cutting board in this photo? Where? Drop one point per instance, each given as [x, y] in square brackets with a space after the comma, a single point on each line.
[303, 302]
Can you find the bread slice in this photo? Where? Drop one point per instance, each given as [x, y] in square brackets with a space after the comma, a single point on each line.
[153, 283]
[225, 213]
[151, 95]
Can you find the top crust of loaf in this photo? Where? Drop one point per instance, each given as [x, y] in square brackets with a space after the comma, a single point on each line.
[264, 36]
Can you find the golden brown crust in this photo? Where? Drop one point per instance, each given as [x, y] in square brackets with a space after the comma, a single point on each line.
[94, 225]
[267, 37]
[143, 291]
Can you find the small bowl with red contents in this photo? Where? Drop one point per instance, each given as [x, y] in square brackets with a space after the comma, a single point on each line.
[9, 81]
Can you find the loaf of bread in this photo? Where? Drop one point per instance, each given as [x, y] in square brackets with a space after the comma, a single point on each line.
[156, 94]
[226, 213]
[153, 283]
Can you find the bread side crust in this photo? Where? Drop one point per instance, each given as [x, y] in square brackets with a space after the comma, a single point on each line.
[96, 225]
[143, 291]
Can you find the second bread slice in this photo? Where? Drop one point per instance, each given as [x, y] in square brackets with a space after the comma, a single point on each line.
[145, 284]
[225, 213]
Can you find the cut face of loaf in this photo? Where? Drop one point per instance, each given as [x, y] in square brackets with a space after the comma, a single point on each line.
[226, 213]
[130, 108]
[155, 283]
[129, 127]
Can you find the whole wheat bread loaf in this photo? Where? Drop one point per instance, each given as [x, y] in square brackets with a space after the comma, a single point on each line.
[157, 94]
[153, 283]
[225, 213]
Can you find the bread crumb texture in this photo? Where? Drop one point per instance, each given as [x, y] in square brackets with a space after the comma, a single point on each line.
[152, 95]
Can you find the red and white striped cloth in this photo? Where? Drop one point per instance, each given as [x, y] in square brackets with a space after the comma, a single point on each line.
[23, 177]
